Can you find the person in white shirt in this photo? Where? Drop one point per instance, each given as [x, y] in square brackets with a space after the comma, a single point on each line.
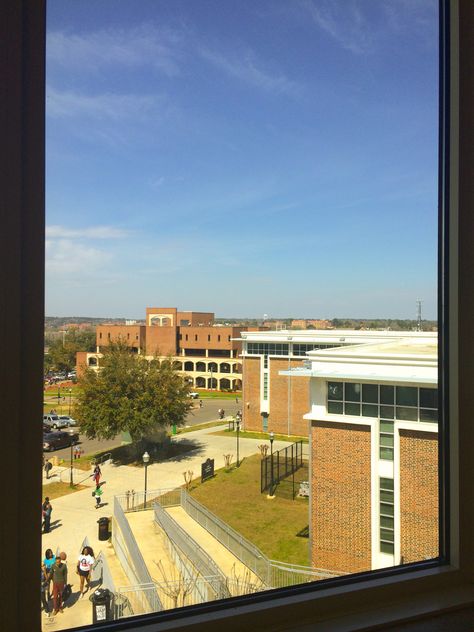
[85, 562]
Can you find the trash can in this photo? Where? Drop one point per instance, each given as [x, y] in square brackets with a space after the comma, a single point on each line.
[102, 609]
[103, 528]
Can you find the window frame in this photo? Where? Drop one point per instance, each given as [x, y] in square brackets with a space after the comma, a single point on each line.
[375, 598]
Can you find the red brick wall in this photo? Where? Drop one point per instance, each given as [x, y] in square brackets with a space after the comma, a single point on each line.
[132, 335]
[299, 399]
[278, 393]
[418, 495]
[340, 500]
[161, 340]
[251, 417]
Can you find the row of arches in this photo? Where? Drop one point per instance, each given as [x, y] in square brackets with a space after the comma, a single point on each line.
[207, 367]
[223, 384]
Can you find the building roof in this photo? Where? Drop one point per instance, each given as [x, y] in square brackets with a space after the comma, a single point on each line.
[411, 359]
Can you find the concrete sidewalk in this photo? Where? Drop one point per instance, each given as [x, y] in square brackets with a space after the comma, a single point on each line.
[74, 516]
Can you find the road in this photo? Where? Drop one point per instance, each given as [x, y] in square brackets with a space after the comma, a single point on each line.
[198, 415]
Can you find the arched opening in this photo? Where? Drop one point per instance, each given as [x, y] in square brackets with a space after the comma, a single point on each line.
[200, 382]
[212, 366]
[212, 383]
[200, 366]
[237, 385]
[189, 366]
[177, 366]
[224, 384]
[225, 367]
[93, 362]
[237, 368]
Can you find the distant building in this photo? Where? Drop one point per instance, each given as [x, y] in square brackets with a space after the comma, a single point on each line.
[307, 323]
[207, 354]
[373, 415]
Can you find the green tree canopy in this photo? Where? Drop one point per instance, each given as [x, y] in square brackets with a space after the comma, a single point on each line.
[62, 352]
[132, 394]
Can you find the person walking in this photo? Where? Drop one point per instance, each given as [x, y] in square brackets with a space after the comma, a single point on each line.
[59, 577]
[48, 466]
[96, 474]
[47, 511]
[98, 494]
[85, 562]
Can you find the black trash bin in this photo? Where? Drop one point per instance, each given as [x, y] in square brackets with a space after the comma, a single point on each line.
[103, 528]
[102, 605]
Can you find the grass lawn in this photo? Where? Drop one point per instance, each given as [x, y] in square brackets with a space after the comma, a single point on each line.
[208, 424]
[218, 395]
[272, 525]
[264, 436]
[55, 490]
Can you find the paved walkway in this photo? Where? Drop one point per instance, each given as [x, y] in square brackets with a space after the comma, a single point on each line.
[74, 516]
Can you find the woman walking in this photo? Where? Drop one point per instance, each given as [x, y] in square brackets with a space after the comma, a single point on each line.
[96, 474]
[98, 494]
[59, 569]
[84, 566]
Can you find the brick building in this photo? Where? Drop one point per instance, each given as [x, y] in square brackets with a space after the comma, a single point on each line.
[208, 354]
[276, 402]
[373, 453]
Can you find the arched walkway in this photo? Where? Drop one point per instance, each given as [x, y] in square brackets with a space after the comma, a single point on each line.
[189, 366]
[200, 366]
[200, 382]
[224, 384]
[225, 367]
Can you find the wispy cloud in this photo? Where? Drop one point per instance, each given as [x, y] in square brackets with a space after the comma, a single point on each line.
[129, 48]
[247, 68]
[66, 104]
[68, 257]
[344, 22]
[91, 232]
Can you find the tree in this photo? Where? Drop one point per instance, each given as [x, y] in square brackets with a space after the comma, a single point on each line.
[132, 394]
[62, 352]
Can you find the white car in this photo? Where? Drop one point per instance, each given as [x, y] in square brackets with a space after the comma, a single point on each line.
[193, 395]
[69, 420]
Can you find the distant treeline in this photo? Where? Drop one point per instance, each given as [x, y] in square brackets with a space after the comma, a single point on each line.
[396, 324]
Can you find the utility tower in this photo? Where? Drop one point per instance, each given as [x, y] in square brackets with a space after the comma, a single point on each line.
[418, 314]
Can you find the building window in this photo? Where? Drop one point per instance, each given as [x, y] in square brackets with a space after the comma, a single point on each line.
[267, 348]
[100, 335]
[218, 338]
[265, 385]
[195, 337]
[186, 336]
[404, 403]
[209, 338]
[387, 512]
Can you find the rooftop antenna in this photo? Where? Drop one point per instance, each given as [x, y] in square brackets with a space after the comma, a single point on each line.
[418, 314]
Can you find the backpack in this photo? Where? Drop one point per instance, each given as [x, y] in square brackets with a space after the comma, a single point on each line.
[67, 592]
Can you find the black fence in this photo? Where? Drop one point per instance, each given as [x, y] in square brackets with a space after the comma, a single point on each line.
[281, 464]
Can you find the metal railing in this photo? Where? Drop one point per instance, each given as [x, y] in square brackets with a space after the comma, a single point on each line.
[101, 573]
[273, 574]
[134, 600]
[131, 558]
[201, 561]
[135, 501]
[244, 550]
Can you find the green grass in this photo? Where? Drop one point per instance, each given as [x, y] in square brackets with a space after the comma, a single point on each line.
[271, 524]
[264, 436]
[207, 424]
[218, 395]
[55, 490]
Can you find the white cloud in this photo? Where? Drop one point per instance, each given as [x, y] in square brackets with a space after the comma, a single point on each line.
[65, 257]
[129, 48]
[66, 104]
[91, 232]
[247, 68]
[344, 22]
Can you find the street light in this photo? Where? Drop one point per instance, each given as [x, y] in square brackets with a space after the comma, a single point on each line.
[59, 396]
[70, 391]
[146, 458]
[271, 464]
[238, 430]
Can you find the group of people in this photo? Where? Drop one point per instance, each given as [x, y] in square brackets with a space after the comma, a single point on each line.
[54, 574]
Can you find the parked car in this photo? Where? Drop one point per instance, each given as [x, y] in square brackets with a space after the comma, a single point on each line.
[57, 440]
[54, 421]
[72, 374]
[69, 420]
[193, 395]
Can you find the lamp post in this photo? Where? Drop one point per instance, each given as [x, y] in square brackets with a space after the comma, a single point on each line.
[59, 396]
[70, 391]
[146, 458]
[71, 481]
[238, 430]
[271, 463]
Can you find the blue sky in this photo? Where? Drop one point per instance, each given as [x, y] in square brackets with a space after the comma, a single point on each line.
[242, 157]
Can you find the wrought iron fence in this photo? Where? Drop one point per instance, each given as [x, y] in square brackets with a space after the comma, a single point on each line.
[280, 464]
[131, 558]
